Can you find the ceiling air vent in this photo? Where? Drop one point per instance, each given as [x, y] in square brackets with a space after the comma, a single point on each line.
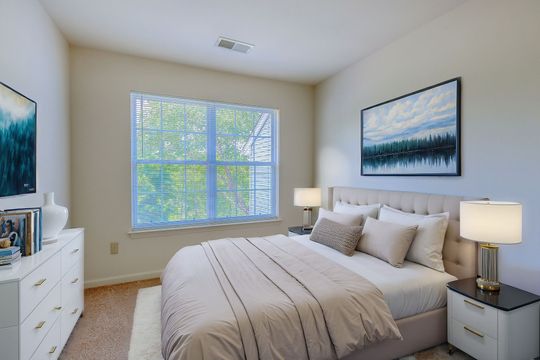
[235, 45]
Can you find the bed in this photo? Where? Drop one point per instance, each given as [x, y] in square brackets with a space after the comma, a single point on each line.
[417, 309]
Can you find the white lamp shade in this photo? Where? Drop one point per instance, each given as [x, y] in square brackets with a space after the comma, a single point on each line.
[491, 221]
[307, 197]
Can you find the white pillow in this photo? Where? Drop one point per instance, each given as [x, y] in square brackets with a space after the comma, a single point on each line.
[364, 210]
[426, 248]
[343, 219]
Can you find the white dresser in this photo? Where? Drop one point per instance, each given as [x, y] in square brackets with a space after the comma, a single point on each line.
[41, 299]
[487, 325]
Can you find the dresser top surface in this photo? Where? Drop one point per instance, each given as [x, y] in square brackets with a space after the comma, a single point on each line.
[507, 298]
[27, 264]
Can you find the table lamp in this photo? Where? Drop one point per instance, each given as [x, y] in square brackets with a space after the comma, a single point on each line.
[490, 223]
[307, 198]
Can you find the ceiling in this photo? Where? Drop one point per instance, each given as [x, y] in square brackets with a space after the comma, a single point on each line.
[303, 41]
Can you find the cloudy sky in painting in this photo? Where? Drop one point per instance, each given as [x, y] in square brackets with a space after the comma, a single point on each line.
[414, 116]
[14, 107]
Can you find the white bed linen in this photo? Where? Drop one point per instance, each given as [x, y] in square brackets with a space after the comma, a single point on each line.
[409, 290]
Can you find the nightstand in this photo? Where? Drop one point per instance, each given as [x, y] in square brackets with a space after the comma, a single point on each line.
[297, 230]
[503, 325]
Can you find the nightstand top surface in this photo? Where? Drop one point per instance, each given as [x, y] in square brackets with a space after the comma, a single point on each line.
[507, 298]
[298, 230]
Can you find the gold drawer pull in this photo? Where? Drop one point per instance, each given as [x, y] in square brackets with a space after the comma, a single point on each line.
[473, 304]
[74, 251]
[57, 308]
[74, 311]
[473, 331]
[40, 282]
[53, 349]
[74, 280]
[40, 325]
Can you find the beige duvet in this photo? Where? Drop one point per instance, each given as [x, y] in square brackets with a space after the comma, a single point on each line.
[267, 298]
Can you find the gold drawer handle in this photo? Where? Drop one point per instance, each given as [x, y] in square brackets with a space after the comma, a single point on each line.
[74, 311]
[473, 304]
[74, 280]
[57, 308]
[473, 331]
[40, 325]
[53, 349]
[74, 251]
[40, 282]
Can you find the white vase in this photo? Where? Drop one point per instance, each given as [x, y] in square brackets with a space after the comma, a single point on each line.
[54, 218]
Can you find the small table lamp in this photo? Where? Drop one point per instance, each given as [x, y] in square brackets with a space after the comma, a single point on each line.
[307, 197]
[490, 222]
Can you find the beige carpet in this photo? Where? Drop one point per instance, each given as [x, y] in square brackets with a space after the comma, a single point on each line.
[103, 333]
[146, 342]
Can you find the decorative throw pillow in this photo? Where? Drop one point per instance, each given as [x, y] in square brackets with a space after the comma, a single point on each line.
[342, 238]
[428, 243]
[344, 219]
[386, 241]
[364, 210]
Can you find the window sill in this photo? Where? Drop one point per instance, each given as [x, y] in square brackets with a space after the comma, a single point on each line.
[139, 234]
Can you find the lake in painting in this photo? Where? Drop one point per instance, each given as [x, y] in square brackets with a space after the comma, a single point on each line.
[416, 134]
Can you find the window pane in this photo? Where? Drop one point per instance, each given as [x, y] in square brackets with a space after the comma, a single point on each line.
[149, 208]
[262, 178]
[196, 178]
[262, 150]
[263, 202]
[226, 204]
[226, 177]
[173, 116]
[195, 147]
[245, 203]
[196, 206]
[172, 177]
[225, 148]
[245, 148]
[244, 174]
[148, 178]
[244, 123]
[173, 207]
[151, 141]
[264, 125]
[151, 114]
[196, 118]
[225, 121]
[173, 146]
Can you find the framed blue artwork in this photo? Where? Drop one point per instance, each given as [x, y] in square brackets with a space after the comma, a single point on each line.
[17, 143]
[417, 134]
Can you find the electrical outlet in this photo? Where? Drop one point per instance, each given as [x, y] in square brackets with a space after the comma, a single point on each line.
[114, 248]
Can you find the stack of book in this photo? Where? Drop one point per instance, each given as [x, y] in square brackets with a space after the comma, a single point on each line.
[23, 228]
[9, 256]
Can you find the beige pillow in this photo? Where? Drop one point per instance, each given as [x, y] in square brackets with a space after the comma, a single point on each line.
[428, 243]
[386, 241]
[364, 210]
[344, 219]
[342, 238]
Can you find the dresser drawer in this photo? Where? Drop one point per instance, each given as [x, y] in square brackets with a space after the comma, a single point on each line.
[72, 253]
[72, 284]
[474, 313]
[50, 348]
[70, 314]
[37, 285]
[39, 322]
[475, 343]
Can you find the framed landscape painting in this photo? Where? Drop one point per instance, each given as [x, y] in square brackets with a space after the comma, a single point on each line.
[415, 134]
[17, 143]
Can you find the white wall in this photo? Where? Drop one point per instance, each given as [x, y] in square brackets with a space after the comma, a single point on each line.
[100, 86]
[34, 60]
[494, 46]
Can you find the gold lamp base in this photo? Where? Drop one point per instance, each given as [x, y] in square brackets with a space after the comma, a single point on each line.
[489, 275]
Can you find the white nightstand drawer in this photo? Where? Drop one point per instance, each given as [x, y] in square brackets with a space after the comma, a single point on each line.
[72, 253]
[39, 322]
[35, 286]
[474, 342]
[50, 348]
[473, 313]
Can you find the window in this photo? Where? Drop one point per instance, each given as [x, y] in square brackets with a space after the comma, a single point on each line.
[197, 162]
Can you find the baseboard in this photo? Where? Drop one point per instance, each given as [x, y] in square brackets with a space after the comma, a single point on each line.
[122, 279]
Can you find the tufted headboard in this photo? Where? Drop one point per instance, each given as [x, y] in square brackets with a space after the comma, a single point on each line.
[459, 255]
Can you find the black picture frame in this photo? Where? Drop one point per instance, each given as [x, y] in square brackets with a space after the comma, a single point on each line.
[449, 152]
[22, 141]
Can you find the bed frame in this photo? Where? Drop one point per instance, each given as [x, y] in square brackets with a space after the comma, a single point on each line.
[427, 329]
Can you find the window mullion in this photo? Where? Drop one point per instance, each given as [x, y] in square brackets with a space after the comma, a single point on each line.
[211, 189]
